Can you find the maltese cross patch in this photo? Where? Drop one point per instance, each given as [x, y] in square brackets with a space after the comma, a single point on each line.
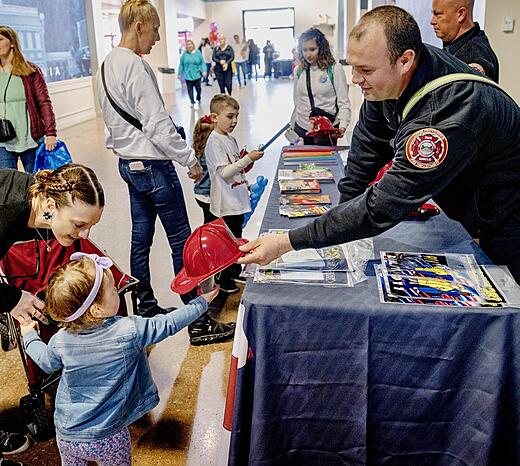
[426, 148]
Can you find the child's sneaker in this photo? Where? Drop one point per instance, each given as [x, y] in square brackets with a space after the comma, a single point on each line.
[12, 443]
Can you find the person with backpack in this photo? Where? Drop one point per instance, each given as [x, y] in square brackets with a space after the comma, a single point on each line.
[320, 88]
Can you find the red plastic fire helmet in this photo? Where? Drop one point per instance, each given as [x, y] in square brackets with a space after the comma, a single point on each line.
[209, 249]
[321, 126]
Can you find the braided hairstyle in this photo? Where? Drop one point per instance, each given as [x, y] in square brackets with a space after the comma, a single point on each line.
[201, 132]
[68, 183]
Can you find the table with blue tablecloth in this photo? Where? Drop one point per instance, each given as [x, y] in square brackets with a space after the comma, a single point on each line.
[334, 377]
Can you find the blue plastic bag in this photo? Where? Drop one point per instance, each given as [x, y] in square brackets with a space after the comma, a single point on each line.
[50, 160]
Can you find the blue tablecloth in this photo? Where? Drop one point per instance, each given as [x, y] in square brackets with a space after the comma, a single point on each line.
[335, 377]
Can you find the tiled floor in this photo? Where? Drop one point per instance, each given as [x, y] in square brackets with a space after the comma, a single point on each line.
[185, 428]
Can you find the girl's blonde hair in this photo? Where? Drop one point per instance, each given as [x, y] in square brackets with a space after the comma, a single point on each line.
[21, 67]
[68, 289]
[68, 183]
[136, 10]
[201, 134]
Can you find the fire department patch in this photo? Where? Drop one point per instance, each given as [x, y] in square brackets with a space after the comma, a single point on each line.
[426, 148]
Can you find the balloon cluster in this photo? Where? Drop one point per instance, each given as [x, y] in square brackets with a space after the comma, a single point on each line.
[213, 33]
[256, 193]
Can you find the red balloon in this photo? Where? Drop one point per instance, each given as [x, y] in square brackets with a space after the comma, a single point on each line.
[213, 36]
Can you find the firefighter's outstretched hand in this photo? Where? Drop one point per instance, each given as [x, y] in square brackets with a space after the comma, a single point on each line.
[265, 249]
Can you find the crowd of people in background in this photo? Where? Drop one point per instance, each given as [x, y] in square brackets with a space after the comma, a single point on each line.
[223, 60]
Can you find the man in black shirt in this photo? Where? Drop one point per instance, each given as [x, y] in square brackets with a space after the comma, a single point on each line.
[459, 144]
[452, 21]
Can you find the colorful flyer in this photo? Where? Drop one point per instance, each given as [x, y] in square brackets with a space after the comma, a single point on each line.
[296, 211]
[304, 199]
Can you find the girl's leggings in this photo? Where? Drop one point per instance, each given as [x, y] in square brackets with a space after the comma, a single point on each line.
[111, 451]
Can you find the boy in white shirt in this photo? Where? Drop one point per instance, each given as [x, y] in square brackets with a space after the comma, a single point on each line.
[229, 195]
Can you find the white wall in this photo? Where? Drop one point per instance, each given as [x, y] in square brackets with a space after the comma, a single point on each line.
[228, 15]
[72, 101]
[505, 44]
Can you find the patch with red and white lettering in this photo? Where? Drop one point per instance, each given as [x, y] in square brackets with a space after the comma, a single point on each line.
[426, 148]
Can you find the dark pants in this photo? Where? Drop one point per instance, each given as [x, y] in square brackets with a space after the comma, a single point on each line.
[234, 223]
[154, 191]
[250, 65]
[225, 80]
[268, 64]
[318, 141]
[504, 247]
[193, 84]
[208, 72]
[241, 66]
[208, 216]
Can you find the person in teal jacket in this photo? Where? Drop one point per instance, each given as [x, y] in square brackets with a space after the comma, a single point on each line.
[192, 68]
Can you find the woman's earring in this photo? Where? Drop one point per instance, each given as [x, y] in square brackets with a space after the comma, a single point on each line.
[47, 215]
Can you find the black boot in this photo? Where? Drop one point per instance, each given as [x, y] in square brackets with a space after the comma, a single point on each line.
[154, 311]
[206, 330]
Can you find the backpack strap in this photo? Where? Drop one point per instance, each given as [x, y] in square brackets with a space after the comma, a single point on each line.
[330, 72]
[436, 83]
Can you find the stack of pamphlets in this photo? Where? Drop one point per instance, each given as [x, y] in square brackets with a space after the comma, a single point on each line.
[295, 155]
[326, 266]
[295, 211]
[321, 174]
[299, 186]
[305, 180]
[436, 279]
[304, 199]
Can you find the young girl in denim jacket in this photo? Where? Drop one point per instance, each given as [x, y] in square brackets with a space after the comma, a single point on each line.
[106, 383]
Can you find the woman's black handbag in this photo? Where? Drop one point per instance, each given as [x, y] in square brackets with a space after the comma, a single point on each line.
[7, 131]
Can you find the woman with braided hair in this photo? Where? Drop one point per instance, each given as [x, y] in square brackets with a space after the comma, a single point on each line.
[68, 201]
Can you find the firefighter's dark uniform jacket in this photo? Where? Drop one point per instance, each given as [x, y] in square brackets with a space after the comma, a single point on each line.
[477, 182]
[473, 47]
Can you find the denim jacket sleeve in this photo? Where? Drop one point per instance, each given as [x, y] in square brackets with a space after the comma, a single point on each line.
[41, 353]
[155, 329]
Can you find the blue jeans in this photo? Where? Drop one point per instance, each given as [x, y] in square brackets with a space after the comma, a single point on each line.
[154, 190]
[241, 66]
[9, 159]
[208, 72]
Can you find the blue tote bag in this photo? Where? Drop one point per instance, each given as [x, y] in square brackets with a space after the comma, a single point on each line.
[50, 160]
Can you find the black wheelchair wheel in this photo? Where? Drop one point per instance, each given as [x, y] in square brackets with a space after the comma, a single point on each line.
[38, 421]
[6, 336]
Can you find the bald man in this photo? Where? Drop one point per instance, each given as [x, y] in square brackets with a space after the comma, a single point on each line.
[452, 21]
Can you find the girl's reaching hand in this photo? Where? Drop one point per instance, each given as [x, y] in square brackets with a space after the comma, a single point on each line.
[211, 295]
[24, 329]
